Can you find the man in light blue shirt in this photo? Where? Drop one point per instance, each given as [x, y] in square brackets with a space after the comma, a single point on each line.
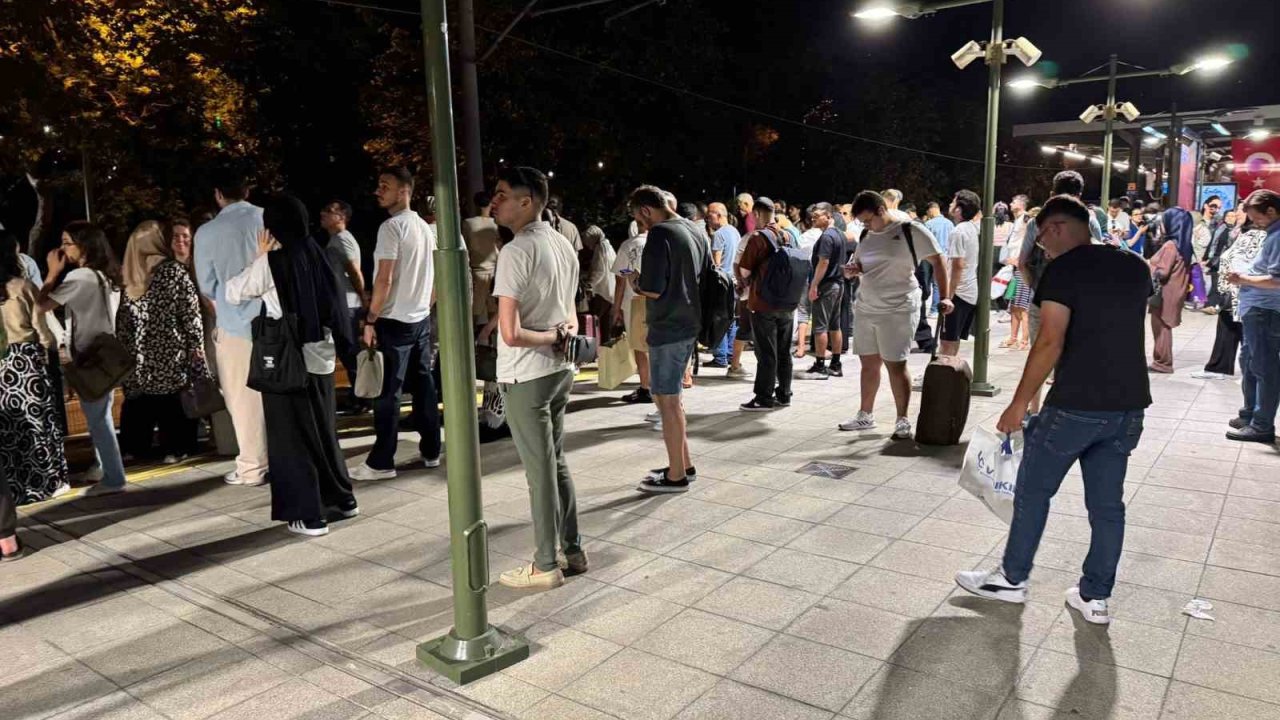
[724, 250]
[940, 225]
[223, 248]
[1258, 308]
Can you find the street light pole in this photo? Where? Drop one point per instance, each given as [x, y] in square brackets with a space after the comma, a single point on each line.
[473, 648]
[986, 245]
[1107, 139]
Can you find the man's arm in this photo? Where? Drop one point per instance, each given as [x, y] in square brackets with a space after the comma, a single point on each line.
[381, 286]
[352, 268]
[653, 263]
[942, 275]
[513, 334]
[1054, 318]
[819, 272]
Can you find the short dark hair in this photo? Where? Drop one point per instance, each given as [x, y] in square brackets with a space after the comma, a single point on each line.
[531, 180]
[968, 203]
[1117, 202]
[1262, 200]
[180, 222]
[343, 207]
[1068, 182]
[687, 210]
[231, 181]
[822, 207]
[1063, 204]
[649, 196]
[932, 204]
[907, 207]
[1210, 199]
[482, 199]
[401, 175]
[868, 200]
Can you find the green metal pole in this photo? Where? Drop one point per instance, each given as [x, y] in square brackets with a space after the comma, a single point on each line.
[1105, 196]
[473, 648]
[986, 245]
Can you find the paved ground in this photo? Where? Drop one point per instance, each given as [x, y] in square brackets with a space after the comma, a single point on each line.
[763, 593]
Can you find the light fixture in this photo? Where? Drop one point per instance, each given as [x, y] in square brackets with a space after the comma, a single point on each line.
[1024, 50]
[1128, 110]
[1095, 160]
[1151, 141]
[1212, 63]
[551, 173]
[1259, 133]
[1071, 154]
[501, 160]
[967, 54]
[1091, 113]
[1153, 132]
[876, 12]
[1024, 83]
[48, 129]
[1048, 149]
[600, 165]
[1121, 166]
[1230, 167]
[1220, 129]
[1214, 156]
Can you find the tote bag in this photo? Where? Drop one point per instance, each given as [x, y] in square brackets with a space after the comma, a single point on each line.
[616, 362]
[990, 472]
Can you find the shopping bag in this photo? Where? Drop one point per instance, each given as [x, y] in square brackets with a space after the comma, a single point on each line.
[990, 471]
[1000, 283]
[616, 362]
[368, 383]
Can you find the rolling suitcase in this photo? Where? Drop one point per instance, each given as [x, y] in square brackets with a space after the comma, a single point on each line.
[944, 399]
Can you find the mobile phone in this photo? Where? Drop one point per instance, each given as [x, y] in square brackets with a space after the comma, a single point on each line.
[626, 271]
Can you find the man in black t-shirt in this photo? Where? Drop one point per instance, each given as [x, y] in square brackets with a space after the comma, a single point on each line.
[1093, 306]
[825, 290]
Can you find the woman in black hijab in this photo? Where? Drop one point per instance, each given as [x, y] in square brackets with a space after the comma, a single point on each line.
[308, 472]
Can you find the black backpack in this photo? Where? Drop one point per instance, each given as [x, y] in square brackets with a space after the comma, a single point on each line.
[787, 271]
[718, 300]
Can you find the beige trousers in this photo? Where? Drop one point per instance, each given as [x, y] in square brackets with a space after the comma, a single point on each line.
[244, 404]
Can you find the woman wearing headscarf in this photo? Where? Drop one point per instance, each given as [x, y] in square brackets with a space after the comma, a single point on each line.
[598, 281]
[159, 322]
[31, 453]
[1170, 268]
[309, 481]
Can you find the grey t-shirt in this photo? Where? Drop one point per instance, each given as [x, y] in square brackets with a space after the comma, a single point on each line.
[91, 304]
[343, 248]
[673, 259]
[539, 270]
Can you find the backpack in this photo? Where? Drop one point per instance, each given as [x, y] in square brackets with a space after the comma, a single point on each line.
[718, 300]
[786, 277]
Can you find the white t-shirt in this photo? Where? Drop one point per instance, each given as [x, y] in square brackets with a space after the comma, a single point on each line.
[81, 294]
[888, 274]
[964, 244]
[628, 258]
[406, 238]
[809, 237]
[539, 270]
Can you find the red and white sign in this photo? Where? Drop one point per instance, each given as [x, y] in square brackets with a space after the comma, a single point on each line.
[1257, 164]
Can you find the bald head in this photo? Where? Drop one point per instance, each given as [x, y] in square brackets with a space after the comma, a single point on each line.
[717, 216]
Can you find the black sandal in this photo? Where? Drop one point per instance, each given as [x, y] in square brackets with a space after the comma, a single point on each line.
[15, 555]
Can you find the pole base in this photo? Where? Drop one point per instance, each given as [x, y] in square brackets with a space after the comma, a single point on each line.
[465, 661]
[984, 390]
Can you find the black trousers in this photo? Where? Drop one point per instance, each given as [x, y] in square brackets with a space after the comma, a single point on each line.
[142, 414]
[924, 333]
[8, 510]
[308, 470]
[846, 314]
[1226, 343]
[772, 333]
[347, 353]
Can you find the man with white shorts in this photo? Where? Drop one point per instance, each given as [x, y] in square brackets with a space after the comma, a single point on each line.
[887, 308]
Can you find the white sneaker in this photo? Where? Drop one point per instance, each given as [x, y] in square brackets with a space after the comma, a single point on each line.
[316, 528]
[902, 429]
[93, 474]
[655, 416]
[1206, 375]
[992, 584]
[364, 472]
[430, 463]
[1003, 317]
[917, 383]
[737, 373]
[100, 489]
[1093, 611]
[861, 421]
[233, 478]
[657, 427]
[173, 459]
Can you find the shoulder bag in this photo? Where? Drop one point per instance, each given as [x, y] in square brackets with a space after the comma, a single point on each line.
[101, 366]
[276, 364]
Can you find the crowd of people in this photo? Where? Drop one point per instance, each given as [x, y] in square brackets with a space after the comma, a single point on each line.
[200, 302]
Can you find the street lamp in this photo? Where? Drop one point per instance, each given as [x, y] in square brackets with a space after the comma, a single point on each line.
[1109, 110]
[995, 53]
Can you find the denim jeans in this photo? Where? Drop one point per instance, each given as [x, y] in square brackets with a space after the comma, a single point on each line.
[97, 414]
[1260, 363]
[1055, 440]
[772, 332]
[724, 351]
[406, 347]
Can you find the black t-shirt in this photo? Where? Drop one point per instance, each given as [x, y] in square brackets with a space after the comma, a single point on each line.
[830, 245]
[1104, 360]
[672, 262]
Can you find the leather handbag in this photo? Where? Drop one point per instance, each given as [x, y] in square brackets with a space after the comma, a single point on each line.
[581, 349]
[201, 398]
[101, 366]
[487, 363]
[368, 385]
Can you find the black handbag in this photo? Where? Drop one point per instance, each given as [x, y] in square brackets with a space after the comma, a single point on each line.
[276, 364]
[201, 398]
[487, 363]
[101, 366]
[581, 349]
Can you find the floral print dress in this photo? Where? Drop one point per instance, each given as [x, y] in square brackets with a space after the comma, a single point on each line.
[165, 332]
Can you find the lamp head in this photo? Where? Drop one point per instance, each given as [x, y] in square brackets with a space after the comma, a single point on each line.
[1024, 50]
[1129, 111]
[967, 54]
[1091, 113]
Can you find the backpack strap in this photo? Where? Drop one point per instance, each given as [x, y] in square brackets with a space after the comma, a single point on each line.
[906, 232]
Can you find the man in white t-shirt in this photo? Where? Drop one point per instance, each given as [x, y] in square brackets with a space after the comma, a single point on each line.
[535, 283]
[629, 312]
[887, 308]
[962, 252]
[399, 326]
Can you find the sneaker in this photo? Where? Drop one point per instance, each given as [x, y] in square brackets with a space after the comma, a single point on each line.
[664, 485]
[1238, 423]
[528, 577]
[101, 489]
[173, 459]
[574, 563]
[656, 427]
[917, 383]
[1206, 375]
[233, 478]
[430, 463]
[310, 528]
[718, 364]
[783, 402]
[364, 472]
[655, 416]
[93, 474]
[756, 406]
[1003, 317]
[345, 512]
[861, 421]
[690, 474]
[902, 429]
[818, 371]
[639, 395]
[738, 373]
[835, 370]
[1094, 611]
[992, 584]
[1250, 433]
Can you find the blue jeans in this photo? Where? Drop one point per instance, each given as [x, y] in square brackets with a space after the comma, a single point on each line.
[1055, 440]
[97, 414]
[1260, 366]
[406, 347]
[724, 351]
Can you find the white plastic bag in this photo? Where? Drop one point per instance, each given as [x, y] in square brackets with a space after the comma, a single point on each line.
[1000, 283]
[990, 471]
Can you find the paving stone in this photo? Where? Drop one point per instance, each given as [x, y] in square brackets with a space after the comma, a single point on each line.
[895, 592]
[560, 655]
[503, 693]
[722, 552]
[810, 672]
[617, 615]
[116, 706]
[1245, 556]
[764, 528]
[554, 706]
[705, 641]
[848, 545]
[954, 536]
[1087, 689]
[49, 690]
[1191, 702]
[208, 685]
[803, 571]
[674, 580]
[1229, 668]
[899, 693]
[925, 561]
[759, 603]
[1178, 499]
[858, 628]
[729, 700]
[801, 507]
[1122, 643]
[874, 520]
[135, 658]
[1241, 587]
[633, 685]
[293, 699]
[904, 501]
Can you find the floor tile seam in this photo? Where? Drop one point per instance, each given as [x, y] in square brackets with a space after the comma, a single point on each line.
[1202, 686]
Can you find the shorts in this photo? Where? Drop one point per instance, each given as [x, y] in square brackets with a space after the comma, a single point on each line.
[744, 323]
[824, 314]
[803, 310]
[959, 324]
[888, 335]
[667, 363]
[637, 326]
